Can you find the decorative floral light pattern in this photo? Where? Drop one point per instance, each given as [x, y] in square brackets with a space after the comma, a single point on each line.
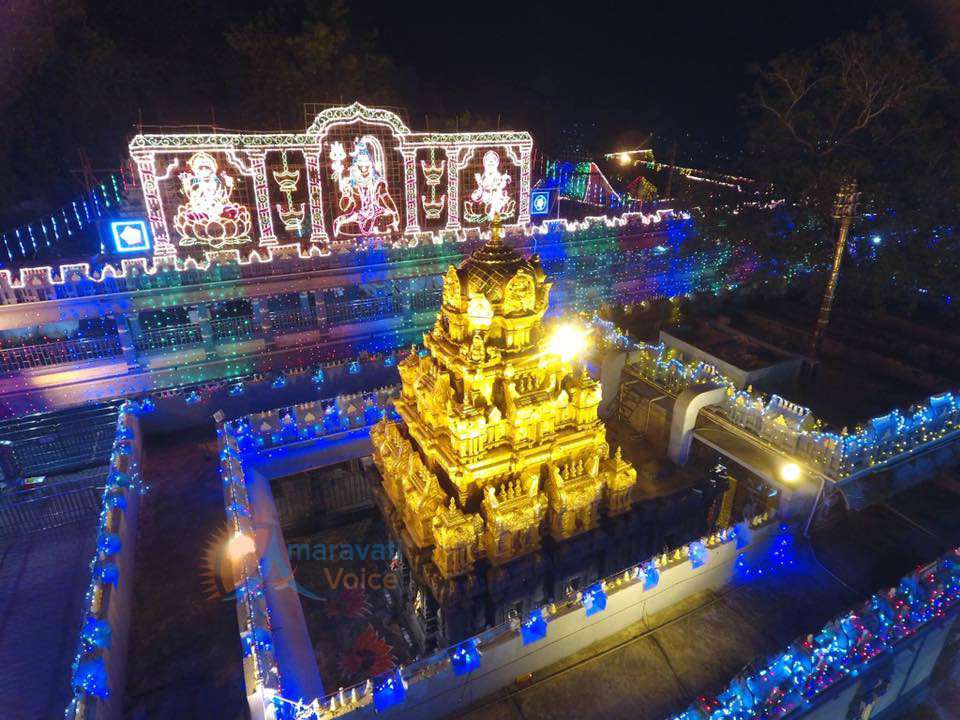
[843, 648]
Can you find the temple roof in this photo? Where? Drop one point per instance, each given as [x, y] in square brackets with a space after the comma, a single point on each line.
[491, 266]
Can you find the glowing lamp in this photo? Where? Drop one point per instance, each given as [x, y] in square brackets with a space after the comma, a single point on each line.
[96, 633]
[108, 573]
[698, 554]
[90, 676]
[741, 532]
[790, 472]
[389, 690]
[651, 576]
[568, 341]
[534, 627]
[464, 658]
[240, 545]
[624, 158]
[594, 599]
[108, 544]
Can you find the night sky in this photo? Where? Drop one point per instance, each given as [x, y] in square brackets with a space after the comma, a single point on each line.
[584, 78]
[670, 67]
[613, 72]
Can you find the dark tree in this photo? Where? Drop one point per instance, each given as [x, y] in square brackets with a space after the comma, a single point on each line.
[871, 106]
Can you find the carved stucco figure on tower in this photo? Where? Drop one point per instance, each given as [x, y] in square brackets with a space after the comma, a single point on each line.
[499, 440]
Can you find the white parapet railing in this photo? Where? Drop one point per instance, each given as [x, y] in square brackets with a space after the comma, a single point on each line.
[99, 666]
[791, 427]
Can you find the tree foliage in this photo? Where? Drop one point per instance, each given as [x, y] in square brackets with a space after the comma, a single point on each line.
[873, 107]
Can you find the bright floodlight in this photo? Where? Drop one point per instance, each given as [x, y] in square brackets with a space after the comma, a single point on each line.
[790, 472]
[624, 158]
[240, 546]
[568, 341]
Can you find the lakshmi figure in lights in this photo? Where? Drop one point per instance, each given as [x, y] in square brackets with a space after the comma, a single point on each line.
[491, 194]
[208, 217]
[366, 207]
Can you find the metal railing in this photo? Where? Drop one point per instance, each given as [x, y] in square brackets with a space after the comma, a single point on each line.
[232, 328]
[58, 352]
[362, 310]
[61, 502]
[61, 441]
[292, 322]
[173, 337]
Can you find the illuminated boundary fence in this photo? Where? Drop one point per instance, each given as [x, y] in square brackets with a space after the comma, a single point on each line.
[73, 280]
[830, 670]
[99, 666]
[791, 427]
[31, 238]
[480, 665]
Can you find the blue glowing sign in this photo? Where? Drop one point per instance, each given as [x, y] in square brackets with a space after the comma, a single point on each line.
[539, 202]
[130, 236]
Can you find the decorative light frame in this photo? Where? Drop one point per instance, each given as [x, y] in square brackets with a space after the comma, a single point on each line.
[153, 152]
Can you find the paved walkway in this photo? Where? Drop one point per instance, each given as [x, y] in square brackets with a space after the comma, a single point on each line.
[185, 655]
[657, 667]
[43, 579]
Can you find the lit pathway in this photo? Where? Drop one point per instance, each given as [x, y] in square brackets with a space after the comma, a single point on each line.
[185, 654]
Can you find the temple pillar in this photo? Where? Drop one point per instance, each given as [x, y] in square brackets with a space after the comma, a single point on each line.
[318, 233]
[453, 187]
[206, 329]
[146, 168]
[261, 195]
[128, 329]
[523, 214]
[319, 309]
[412, 224]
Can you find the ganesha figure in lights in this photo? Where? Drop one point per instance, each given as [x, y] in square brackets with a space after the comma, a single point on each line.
[208, 217]
[490, 197]
[366, 207]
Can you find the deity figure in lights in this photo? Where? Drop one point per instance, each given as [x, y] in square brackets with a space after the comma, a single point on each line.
[490, 196]
[208, 217]
[366, 207]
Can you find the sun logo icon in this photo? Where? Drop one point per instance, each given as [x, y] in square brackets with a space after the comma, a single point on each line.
[217, 573]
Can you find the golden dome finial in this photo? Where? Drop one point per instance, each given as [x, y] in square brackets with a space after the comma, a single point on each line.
[496, 232]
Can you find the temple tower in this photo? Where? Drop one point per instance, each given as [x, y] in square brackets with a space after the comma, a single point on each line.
[499, 440]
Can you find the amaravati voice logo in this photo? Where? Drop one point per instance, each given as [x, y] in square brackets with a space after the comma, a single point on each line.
[227, 553]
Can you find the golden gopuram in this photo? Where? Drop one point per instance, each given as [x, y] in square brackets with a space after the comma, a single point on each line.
[499, 443]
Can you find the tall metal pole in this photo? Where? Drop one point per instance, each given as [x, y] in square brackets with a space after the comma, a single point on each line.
[843, 211]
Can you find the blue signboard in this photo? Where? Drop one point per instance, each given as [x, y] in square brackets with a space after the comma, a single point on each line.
[130, 236]
[539, 202]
